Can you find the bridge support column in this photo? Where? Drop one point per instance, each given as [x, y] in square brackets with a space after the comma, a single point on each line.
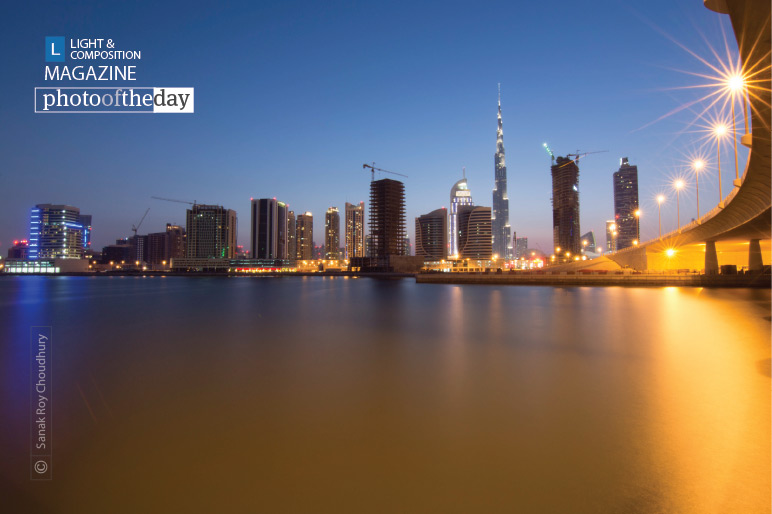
[711, 258]
[755, 262]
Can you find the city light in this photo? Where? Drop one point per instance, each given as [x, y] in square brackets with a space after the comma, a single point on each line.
[670, 252]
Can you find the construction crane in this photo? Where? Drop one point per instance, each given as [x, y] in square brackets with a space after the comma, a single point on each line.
[135, 228]
[173, 200]
[549, 151]
[577, 155]
[373, 169]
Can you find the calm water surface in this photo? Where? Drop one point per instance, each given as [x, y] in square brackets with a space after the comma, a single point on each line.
[357, 395]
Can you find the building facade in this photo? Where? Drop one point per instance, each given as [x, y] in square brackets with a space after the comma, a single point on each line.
[292, 237]
[588, 242]
[460, 194]
[502, 232]
[304, 236]
[475, 240]
[611, 236]
[55, 232]
[85, 222]
[565, 206]
[431, 236]
[331, 233]
[268, 235]
[626, 204]
[162, 247]
[355, 230]
[210, 232]
[387, 218]
[521, 247]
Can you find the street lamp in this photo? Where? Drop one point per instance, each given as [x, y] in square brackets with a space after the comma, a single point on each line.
[660, 199]
[720, 131]
[698, 165]
[735, 83]
[679, 184]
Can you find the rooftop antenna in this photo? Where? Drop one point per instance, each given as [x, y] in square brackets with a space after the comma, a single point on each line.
[463, 171]
[499, 93]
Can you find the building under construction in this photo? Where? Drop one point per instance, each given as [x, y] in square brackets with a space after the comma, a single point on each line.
[387, 218]
[565, 206]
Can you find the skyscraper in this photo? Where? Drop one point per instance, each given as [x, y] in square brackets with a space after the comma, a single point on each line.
[626, 204]
[331, 233]
[387, 218]
[355, 230]
[431, 235]
[85, 222]
[459, 195]
[521, 247]
[269, 229]
[292, 237]
[500, 214]
[474, 232]
[565, 206]
[304, 236]
[55, 232]
[211, 232]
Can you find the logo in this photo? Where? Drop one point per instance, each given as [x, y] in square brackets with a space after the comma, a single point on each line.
[54, 48]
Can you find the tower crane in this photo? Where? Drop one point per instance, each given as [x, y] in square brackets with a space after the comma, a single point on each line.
[373, 169]
[577, 155]
[173, 200]
[135, 228]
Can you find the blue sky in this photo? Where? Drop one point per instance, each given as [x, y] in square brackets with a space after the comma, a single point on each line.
[292, 98]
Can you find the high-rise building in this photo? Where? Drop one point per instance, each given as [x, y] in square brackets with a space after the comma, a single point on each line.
[355, 230]
[500, 213]
[165, 246]
[331, 233]
[55, 232]
[304, 236]
[588, 242]
[431, 235]
[269, 229]
[459, 195]
[387, 218]
[85, 222]
[474, 232]
[292, 237]
[611, 236]
[521, 247]
[210, 232]
[626, 204]
[565, 205]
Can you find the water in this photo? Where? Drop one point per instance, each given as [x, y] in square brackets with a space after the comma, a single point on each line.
[357, 395]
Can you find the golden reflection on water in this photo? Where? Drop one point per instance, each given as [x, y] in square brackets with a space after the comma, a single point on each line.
[326, 395]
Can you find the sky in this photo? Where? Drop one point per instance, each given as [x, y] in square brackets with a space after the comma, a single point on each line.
[293, 97]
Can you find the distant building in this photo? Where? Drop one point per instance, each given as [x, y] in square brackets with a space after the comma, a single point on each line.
[408, 247]
[565, 206]
[331, 233]
[118, 254]
[162, 247]
[500, 213]
[355, 230]
[19, 250]
[292, 238]
[474, 232]
[211, 232]
[431, 236]
[269, 229]
[387, 218]
[521, 247]
[459, 195]
[626, 204]
[304, 236]
[611, 236]
[55, 232]
[588, 242]
[85, 222]
[139, 245]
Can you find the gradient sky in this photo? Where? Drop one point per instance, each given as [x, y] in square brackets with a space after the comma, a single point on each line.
[292, 98]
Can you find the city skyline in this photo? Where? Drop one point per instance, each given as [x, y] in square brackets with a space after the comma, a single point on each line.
[460, 126]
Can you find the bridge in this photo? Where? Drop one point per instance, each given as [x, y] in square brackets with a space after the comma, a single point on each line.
[735, 231]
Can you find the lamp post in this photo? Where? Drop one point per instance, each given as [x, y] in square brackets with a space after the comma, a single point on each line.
[660, 199]
[735, 83]
[720, 131]
[698, 165]
[678, 185]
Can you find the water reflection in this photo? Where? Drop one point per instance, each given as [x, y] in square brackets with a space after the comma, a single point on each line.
[315, 395]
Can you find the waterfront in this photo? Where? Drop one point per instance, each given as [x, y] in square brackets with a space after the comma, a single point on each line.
[335, 394]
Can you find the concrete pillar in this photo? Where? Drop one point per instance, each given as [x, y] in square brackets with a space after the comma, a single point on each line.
[711, 258]
[754, 256]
